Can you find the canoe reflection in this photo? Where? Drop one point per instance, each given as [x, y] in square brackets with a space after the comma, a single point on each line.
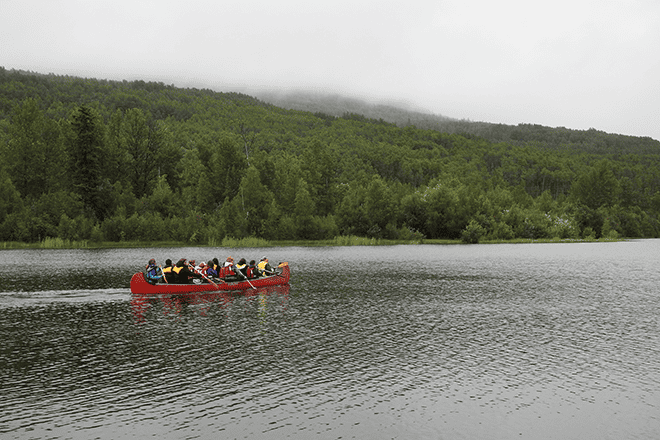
[177, 306]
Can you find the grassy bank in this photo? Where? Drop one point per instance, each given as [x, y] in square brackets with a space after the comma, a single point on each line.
[57, 243]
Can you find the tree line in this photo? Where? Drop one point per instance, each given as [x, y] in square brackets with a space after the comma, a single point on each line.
[87, 159]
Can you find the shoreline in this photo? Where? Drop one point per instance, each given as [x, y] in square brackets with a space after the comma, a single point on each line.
[255, 243]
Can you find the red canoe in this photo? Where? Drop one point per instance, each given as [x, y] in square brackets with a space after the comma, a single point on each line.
[140, 286]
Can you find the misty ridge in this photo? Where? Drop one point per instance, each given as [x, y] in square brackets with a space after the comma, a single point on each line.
[403, 115]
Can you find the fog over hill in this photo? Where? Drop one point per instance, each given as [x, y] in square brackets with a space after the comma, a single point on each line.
[404, 114]
[336, 104]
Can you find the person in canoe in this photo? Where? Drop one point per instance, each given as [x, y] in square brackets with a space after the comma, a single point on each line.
[153, 273]
[265, 267]
[211, 271]
[229, 272]
[167, 272]
[242, 267]
[195, 270]
[227, 268]
[183, 273]
[216, 264]
[252, 271]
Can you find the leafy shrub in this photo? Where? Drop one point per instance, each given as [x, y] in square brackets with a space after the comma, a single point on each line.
[472, 232]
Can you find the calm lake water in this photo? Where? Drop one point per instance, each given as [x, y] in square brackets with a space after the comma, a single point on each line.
[525, 341]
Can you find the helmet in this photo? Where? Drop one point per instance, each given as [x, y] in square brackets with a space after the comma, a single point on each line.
[152, 262]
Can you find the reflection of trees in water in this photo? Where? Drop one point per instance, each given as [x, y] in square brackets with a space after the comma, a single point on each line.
[177, 306]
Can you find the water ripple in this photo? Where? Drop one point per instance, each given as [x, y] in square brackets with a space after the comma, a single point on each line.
[493, 342]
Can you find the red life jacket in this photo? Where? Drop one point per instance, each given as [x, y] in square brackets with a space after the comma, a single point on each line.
[226, 271]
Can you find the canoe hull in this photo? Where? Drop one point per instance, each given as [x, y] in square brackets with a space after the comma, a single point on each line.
[140, 286]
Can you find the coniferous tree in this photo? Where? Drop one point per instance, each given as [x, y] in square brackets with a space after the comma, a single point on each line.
[303, 212]
[87, 161]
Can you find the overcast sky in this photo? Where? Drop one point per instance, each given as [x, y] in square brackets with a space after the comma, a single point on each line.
[571, 63]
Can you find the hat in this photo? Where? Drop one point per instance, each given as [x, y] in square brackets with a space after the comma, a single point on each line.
[264, 258]
[230, 259]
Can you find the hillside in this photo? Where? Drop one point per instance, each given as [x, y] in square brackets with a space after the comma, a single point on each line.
[592, 140]
[98, 160]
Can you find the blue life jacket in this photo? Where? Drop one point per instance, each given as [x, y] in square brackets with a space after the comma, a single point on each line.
[154, 274]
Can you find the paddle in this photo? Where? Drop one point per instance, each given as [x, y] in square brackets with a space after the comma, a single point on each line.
[246, 279]
[237, 270]
[163, 274]
[204, 276]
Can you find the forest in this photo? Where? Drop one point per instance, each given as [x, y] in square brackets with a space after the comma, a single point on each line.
[111, 161]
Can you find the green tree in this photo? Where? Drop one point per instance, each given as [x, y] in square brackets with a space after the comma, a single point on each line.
[288, 175]
[226, 169]
[255, 201]
[144, 142]
[10, 201]
[118, 160]
[231, 218]
[279, 226]
[413, 211]
[442, 204]
[598, 187]
[163, 200]
[319, 165]
[195, 187]
[378, 207]
[352, 218]
[303, 212]
[86, 151]
[35, 151]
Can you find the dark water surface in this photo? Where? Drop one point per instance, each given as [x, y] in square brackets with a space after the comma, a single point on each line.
[539, 341]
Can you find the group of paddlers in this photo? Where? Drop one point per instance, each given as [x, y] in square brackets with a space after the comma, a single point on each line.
[187, 272]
